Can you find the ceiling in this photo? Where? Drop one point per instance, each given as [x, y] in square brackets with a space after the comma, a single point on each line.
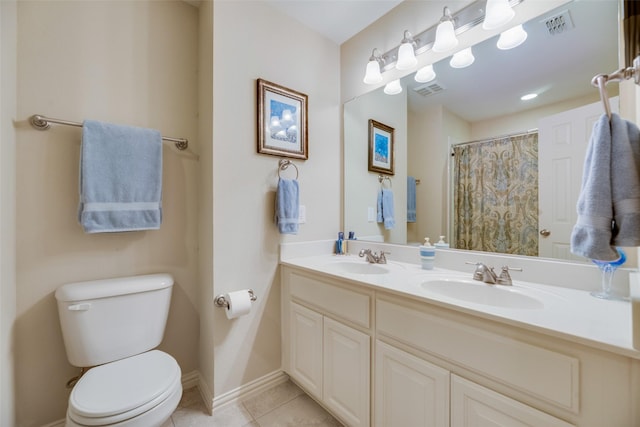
[338, 20]
[556, 67]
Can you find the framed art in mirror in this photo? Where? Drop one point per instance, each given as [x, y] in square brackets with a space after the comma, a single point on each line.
[282, 121]
[380, 147]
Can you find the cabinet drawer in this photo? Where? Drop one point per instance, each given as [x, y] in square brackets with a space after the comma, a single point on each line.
[547, 375]
[474, 405]
[331, 299]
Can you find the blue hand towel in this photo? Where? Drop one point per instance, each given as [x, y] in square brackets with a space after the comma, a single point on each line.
[120, 178]
[592, 234]
[287, 202]
[625, 182]
[385, 208]
[411, 199]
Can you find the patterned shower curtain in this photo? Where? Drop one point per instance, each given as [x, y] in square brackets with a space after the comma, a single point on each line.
[496, 195]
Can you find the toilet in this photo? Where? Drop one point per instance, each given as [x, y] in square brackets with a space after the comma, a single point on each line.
[113, 327]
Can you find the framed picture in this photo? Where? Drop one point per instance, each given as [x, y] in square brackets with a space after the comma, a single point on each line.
[380, 147]
[282, 121]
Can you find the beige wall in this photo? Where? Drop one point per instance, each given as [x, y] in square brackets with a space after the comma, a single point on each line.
[253, 40]
[128, 62]
[8, 30]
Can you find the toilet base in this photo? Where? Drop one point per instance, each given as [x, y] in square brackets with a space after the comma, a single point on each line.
[154, 417]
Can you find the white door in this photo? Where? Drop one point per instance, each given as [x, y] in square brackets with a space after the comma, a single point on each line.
[305, 343]
[409, 391]
[473, 405]
[346, 373]
[562, 144]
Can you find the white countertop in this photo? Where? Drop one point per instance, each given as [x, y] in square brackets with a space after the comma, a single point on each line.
[566, 313]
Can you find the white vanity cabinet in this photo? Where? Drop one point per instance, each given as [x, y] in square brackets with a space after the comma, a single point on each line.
[437, 366]
[328, 344]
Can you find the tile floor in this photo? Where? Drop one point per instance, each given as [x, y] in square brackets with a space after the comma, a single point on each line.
[284, 405]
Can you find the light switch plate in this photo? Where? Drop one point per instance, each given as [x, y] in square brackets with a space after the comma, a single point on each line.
[302, 214]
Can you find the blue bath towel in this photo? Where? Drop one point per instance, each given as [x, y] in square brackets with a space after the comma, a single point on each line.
[385, 208]
[609, 202]
[625, 182]
[287, 202]
[120, 178]
[411, 199]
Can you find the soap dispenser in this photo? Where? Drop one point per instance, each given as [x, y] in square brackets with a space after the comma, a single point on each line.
[427, 254]
[442, 244]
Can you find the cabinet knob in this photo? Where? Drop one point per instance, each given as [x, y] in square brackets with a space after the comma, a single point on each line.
[545, 233]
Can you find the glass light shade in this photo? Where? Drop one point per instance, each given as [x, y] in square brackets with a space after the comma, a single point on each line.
[406, 57]
[372, 75]
[425, 74]
[393, 87]
[462, 59]
[445, 37]
[512, 38]
[499, 12]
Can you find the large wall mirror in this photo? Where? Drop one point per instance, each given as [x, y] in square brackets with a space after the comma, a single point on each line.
[482, 103]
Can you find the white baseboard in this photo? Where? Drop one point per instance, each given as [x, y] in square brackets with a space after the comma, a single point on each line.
[250, 389]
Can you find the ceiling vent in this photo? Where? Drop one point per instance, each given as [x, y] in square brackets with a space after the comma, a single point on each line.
[558, 24]
[430, 88]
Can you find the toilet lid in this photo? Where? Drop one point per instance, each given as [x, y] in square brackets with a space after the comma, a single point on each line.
[124, 389]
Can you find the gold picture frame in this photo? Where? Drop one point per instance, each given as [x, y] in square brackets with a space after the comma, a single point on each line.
[282, 121]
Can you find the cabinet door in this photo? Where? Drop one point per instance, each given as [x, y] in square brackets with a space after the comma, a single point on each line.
[409, 391]
[346, 373]
[305, 343]
[474, 405]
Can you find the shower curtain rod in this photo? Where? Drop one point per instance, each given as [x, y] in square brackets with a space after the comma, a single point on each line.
[43, 123]
[510, 135]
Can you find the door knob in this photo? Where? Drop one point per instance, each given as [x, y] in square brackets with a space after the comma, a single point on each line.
[545, 233]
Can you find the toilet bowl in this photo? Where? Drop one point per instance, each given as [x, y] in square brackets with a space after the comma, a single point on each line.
[113, 326]
[141, 390]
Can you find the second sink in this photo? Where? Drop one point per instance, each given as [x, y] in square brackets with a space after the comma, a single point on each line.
[481, 293]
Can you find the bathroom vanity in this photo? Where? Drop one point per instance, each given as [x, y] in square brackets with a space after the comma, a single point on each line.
[393, 345]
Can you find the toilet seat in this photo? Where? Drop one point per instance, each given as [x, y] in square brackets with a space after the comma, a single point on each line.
[121, 390]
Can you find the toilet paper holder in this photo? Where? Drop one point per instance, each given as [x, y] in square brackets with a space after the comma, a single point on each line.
[221, 301]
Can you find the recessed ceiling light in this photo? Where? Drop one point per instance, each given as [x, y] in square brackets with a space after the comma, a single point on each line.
[528, 96]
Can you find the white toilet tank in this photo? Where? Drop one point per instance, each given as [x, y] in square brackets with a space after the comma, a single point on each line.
[107, 320]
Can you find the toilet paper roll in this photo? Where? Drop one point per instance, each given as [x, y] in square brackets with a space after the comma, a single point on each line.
[239, 303]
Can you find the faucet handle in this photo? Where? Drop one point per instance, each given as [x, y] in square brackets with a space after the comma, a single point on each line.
[481, 270]
[505, 277]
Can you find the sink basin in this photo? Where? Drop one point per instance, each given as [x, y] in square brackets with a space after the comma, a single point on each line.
[480, 293]
[357, 268]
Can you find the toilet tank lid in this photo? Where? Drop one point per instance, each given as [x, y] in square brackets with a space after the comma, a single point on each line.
[95, 289]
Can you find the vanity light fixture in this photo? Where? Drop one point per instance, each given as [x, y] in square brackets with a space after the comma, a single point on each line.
[393, 87]
[406, 53]
[425, 74]
[445, 33]
[512, 38]
[498, 13]
[373, 75]
[462, 59]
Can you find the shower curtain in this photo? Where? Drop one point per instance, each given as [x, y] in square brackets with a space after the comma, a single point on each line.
[496, 195]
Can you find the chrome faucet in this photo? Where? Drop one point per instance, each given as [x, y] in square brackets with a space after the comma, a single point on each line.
[505, 277]
[486, 274]
[372, 257]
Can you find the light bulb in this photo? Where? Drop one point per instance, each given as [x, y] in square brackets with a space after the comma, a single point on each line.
[372, 74]
[499, 12]
[512, 38]
[462, 59]
[425, 74]
[393, 87]
[445, 37]
[406, 54]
